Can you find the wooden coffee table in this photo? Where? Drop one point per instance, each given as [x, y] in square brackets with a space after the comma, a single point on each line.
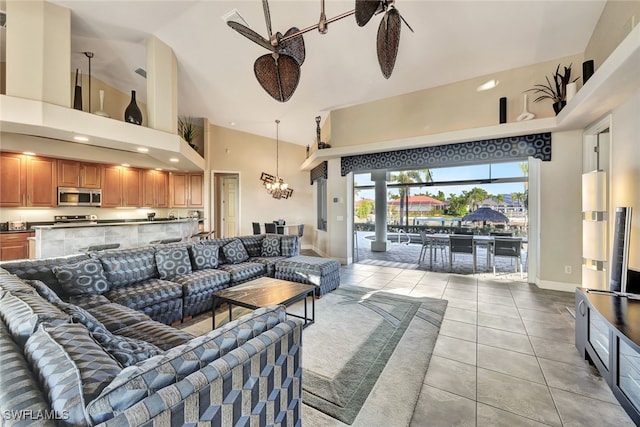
[264, 292]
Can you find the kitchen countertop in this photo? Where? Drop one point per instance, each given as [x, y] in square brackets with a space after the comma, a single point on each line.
[117, 222]
[15, 231]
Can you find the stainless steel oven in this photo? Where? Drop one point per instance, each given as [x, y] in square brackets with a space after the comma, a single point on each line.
[70, 196]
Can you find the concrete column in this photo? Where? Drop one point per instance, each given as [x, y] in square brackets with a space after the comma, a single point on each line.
[380, 178]
[162, 86]
[38, 52]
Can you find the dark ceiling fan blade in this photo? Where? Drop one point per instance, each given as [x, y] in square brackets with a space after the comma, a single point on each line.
[388, 41]
[267, 16]
[294, 46]
[251, 35]
[365, 9]
[278, 74]
[406, 23]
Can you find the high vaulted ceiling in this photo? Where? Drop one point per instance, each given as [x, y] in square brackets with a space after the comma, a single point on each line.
[453, 41]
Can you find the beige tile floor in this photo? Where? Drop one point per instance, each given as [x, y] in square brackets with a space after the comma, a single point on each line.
[504, 356]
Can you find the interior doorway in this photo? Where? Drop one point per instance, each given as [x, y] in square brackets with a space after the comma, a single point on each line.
[227, 204]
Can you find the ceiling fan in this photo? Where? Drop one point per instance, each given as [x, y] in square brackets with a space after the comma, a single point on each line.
[278, 72]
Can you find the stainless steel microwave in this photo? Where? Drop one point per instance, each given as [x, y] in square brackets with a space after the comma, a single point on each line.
[70, 196]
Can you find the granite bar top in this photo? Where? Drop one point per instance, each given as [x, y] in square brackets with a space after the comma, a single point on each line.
[118, 222]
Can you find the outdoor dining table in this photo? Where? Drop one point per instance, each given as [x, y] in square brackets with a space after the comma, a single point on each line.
[478, 241]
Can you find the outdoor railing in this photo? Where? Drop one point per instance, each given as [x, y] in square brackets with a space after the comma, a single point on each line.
[412, 230]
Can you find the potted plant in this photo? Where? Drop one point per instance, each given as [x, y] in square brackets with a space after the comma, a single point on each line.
[556, 91]
[188, 130]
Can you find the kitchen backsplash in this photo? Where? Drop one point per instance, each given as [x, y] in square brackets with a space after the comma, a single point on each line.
[47, 214]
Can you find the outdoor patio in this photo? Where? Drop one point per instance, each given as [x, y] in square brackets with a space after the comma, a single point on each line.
[403, 255]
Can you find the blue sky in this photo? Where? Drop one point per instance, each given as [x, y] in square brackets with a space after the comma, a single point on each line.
[460, 173]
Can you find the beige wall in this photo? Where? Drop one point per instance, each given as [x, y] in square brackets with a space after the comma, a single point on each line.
[616, 21]
[249, 155]
[37, 51]
[561, 211]
[446, 108]
[625, 168]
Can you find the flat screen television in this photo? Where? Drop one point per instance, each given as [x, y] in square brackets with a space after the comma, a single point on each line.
[620, 250]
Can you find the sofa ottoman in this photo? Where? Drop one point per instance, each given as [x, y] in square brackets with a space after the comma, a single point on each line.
[324, 273]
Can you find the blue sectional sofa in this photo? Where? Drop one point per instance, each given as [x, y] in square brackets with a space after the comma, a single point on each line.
[107, 364]
[169, 282]
[85, 339]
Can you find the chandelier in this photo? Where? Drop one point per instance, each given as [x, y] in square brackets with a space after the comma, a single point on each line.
[275, 185]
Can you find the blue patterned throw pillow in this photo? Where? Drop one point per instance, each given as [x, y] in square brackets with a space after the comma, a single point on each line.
[83, 277]
[173, 262]
[204, 256]
[271, 246]
[235, 252]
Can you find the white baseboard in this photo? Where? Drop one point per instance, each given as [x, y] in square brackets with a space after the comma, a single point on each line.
[557, 286]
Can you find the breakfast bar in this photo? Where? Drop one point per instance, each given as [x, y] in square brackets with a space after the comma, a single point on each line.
[68, 239]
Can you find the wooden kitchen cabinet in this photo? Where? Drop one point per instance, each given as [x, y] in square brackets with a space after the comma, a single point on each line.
[155, 189]
[187, 190]
[72, 173]
[121, 187]
[27, 181]
[14, 245]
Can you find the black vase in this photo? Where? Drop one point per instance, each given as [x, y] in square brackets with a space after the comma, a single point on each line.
[558, 106]
[133, 114]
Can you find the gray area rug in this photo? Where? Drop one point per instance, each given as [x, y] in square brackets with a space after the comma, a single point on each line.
[365, 358]
[356, 332]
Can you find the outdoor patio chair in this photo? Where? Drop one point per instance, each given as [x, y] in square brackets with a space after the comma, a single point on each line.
[461, 244]
[425, 246]
[510, 247]
[270, 228]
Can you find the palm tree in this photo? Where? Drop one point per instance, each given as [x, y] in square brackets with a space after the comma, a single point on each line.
[517, 197]
[500, 198]
[475, 196]
[524, 167]
[409, 177]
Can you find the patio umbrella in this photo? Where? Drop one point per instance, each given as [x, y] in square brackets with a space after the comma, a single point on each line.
[485, 215]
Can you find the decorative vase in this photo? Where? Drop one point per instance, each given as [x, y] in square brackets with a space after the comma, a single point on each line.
[558, 106]
[101, 111]
[77, 93]
[571, 90]
[133, 114]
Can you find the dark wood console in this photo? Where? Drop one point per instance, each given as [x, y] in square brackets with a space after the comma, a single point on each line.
[608, 334]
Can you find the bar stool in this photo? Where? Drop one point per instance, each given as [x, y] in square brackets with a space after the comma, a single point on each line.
[165, 241]
[203, 235]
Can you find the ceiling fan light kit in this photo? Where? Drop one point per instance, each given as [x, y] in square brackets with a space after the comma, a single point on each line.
[278, 72]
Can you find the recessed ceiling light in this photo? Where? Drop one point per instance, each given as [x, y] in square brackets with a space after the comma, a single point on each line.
[81, 138]
[143, 150]
[28, 153]
[158, 169]
[488, 85]
[174, 160]
[232, 123]
[126, 165]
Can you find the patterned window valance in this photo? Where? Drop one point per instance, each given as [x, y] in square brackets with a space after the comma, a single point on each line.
[512, 148]
[319, 171]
